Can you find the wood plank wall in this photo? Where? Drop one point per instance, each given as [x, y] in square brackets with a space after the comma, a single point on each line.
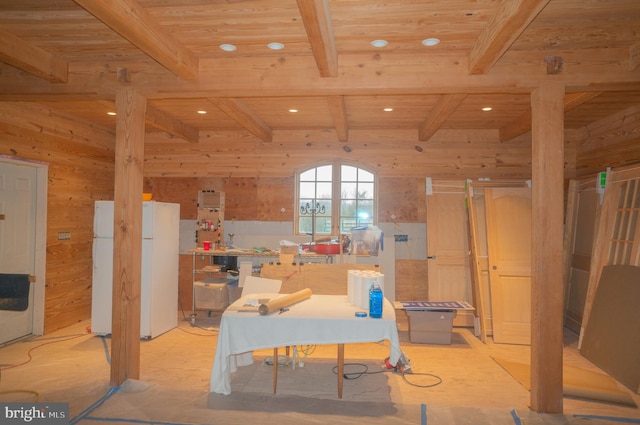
[611, 142]
[80, 157]
[81, 169]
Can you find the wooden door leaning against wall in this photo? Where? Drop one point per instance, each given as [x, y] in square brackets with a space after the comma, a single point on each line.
[448, 265]
[508, 214]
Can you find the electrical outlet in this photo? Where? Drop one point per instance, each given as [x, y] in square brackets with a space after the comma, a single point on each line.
[64, 236]
[401, 238]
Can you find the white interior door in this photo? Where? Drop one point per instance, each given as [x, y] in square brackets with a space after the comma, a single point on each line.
[508, 214]
[17, 240]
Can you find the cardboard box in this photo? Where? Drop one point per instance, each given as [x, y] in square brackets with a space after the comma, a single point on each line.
[431, 326]
[288, 249]
[210, 296]
[210, 199]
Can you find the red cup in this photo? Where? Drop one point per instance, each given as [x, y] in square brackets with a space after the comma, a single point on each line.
[206, 245]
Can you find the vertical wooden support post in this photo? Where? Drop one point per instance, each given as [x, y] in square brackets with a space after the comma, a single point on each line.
[127, 236]
[547, 138]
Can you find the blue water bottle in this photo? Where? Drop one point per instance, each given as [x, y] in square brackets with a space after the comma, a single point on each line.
[375, 301]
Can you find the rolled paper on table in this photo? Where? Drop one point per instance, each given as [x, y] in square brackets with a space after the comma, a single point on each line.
[283, 302]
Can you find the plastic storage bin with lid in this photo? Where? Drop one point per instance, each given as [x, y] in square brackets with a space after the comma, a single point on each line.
[367, 240]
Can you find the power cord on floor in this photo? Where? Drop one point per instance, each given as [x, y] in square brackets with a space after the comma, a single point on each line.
[26, 391]
[42, 345]
[403, 373]
[356, 375]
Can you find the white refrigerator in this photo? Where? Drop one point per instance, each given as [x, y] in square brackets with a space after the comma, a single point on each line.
[159, 280]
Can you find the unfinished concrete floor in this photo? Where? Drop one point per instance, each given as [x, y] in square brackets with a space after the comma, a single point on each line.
[72, 365]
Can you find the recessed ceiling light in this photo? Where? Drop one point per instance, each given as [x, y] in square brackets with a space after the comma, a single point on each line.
[227, 47]
[487, 108]
[202, 112]
[293, 110]
[111, 113]
[430, 41]
[379, 43]
[275, 46]
[388, 109]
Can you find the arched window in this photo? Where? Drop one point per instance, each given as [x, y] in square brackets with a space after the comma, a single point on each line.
[334, 198]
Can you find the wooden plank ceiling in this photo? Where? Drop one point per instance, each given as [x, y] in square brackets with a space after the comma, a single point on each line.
[72, 55]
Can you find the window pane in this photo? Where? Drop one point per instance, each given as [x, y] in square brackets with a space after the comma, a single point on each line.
[304, 224]
[348, 208]
[307, 190]
[315, 207]
[348, 190]
[325, 173]
[323, 207]
[309, 175]
[349, 173]
[365, 211]
[365, 191]
[323, 225]
[306, 207]
[323, 190]
[364, 176]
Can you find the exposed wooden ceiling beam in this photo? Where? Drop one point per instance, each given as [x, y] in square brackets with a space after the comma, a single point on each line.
[162, 121]
[317, 22]
[634, 56]
[444, 107]
[244, 116]
[131, 21]
[595, 70]
[32, 59]
[510, 20]
[573, 100]
[522, 124]
[339, 114]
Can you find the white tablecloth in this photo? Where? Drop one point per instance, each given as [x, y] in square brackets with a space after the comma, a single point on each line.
[321, 319]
